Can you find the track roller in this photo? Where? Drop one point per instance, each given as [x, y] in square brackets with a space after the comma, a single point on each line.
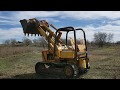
[39, 67]
[71, 71]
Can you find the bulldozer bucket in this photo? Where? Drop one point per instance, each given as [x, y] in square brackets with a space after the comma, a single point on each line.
[29, 27]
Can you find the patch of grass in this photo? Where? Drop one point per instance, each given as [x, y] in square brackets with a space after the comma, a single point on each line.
[19, 63]
[105, 64]
[6, 51]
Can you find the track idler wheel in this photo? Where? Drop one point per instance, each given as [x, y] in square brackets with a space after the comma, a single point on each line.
[71, 71]
[39, 67]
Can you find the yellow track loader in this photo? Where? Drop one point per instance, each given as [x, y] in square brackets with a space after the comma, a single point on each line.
[72, 60]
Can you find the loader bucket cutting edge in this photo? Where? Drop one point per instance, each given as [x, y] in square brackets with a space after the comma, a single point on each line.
[28, 27]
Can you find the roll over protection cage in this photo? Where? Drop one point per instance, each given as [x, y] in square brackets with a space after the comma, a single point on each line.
[68, 29]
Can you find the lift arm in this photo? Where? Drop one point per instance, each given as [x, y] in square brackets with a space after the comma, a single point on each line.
[33, 26]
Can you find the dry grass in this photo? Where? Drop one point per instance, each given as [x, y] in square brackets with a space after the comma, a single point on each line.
[19, 63]
[9, 50]
[18, 60]
[105, 63]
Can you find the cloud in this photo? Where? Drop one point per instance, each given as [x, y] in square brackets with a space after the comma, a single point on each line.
[8, 22]
[51, 20]
[17, 33]
[116, 22]
[111, 25]
[79, 15]
[49, 15]
[68, 14]
[90, 30]
[12, 33]
[15, 16]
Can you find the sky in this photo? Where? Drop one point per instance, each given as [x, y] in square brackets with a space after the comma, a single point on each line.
[90, 21]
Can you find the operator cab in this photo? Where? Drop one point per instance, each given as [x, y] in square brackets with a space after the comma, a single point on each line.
[79, 45]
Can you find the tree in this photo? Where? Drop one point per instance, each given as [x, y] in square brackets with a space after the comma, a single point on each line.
[118, 42]
[10, 42]
[7, 42]
[13, 42]
[87, 42]
[36, 42]
[102, 38]
[43, 43]
[27, 41]
[109, 37]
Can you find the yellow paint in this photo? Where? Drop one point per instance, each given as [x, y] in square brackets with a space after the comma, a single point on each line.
[82, 64]
[67, 54]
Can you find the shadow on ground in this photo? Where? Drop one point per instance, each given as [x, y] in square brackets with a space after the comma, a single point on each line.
[36, 76]
[52, 74]
[40, 76]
